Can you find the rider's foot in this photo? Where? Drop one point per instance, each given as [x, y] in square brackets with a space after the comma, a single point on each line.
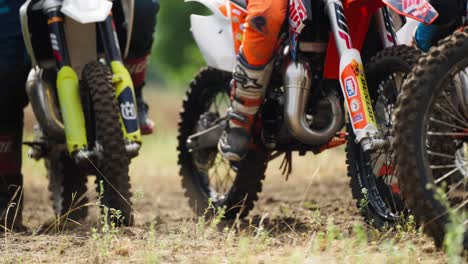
[248, 88]
[146, 124]
[234, 143]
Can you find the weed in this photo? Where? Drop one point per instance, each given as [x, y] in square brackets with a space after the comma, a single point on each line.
[364, 202]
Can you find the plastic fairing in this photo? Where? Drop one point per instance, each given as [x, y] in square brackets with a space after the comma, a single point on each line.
[87, 11]
[406, 33]
[213, 35]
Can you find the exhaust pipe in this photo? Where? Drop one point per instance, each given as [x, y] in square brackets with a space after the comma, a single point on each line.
[297, 89]
[44, 105]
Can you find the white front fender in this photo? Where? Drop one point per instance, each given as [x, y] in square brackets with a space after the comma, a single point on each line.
[87, 11]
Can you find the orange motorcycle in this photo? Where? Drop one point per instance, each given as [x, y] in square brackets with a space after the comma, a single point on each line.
[318, 75]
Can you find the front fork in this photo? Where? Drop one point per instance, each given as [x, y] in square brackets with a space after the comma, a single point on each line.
[68, 84]
[124, 90]
[353, 81]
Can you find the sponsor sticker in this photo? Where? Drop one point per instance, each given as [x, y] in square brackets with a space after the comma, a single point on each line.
[410, 5]
[358, 118]
[351, 86]
[355, 106]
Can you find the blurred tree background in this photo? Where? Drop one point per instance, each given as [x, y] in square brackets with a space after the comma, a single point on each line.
[175, 57]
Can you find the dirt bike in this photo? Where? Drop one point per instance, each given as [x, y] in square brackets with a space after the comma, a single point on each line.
[317, 69]
[431, 139]
[83, 99]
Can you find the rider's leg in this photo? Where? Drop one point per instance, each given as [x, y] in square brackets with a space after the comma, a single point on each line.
[140, 48]
[252, 73]
[427, 35]
[13, 74]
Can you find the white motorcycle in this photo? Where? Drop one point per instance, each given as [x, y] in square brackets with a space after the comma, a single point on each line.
[83, 99]
[317, 70]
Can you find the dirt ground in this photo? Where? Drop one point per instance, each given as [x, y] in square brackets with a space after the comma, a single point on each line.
[311, 218]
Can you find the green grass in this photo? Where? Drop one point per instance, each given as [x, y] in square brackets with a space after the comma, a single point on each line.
[291, 224]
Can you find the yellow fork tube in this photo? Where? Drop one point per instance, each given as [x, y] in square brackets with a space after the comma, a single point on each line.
[72, 109]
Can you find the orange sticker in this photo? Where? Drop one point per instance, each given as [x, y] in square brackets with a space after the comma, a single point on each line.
[353, 96]
[357, 95]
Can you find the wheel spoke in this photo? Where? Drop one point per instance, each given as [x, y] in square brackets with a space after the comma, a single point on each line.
[438, 167]
[461, 207]
[438, 154]
[450, 114]
[447, 124]
[446, 175]
[452, 134]
[460, 183]
[451, 104]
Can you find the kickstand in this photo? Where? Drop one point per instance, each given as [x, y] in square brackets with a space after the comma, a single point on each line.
[286, 164]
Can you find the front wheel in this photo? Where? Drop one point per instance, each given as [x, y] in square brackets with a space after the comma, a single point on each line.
[207, 178]
[431, 140]
[372, 179]
[112, 172]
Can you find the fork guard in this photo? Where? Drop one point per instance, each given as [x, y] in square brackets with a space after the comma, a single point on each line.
[72, 109]
[125, 95]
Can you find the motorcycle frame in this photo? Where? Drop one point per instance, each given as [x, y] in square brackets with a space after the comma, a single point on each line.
[63, 31]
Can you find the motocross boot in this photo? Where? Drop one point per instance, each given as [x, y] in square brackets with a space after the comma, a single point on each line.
[248, 89]
[137, 67]
[146, 124]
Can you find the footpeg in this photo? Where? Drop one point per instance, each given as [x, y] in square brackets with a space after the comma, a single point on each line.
[207, 138]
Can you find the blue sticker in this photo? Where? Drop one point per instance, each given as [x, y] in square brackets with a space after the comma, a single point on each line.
[350, 85]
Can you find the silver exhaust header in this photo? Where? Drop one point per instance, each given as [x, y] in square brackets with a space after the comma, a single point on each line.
[297, 81]
[44, 105]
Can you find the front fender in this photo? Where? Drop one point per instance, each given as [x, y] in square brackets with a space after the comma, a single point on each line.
[87, 11]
